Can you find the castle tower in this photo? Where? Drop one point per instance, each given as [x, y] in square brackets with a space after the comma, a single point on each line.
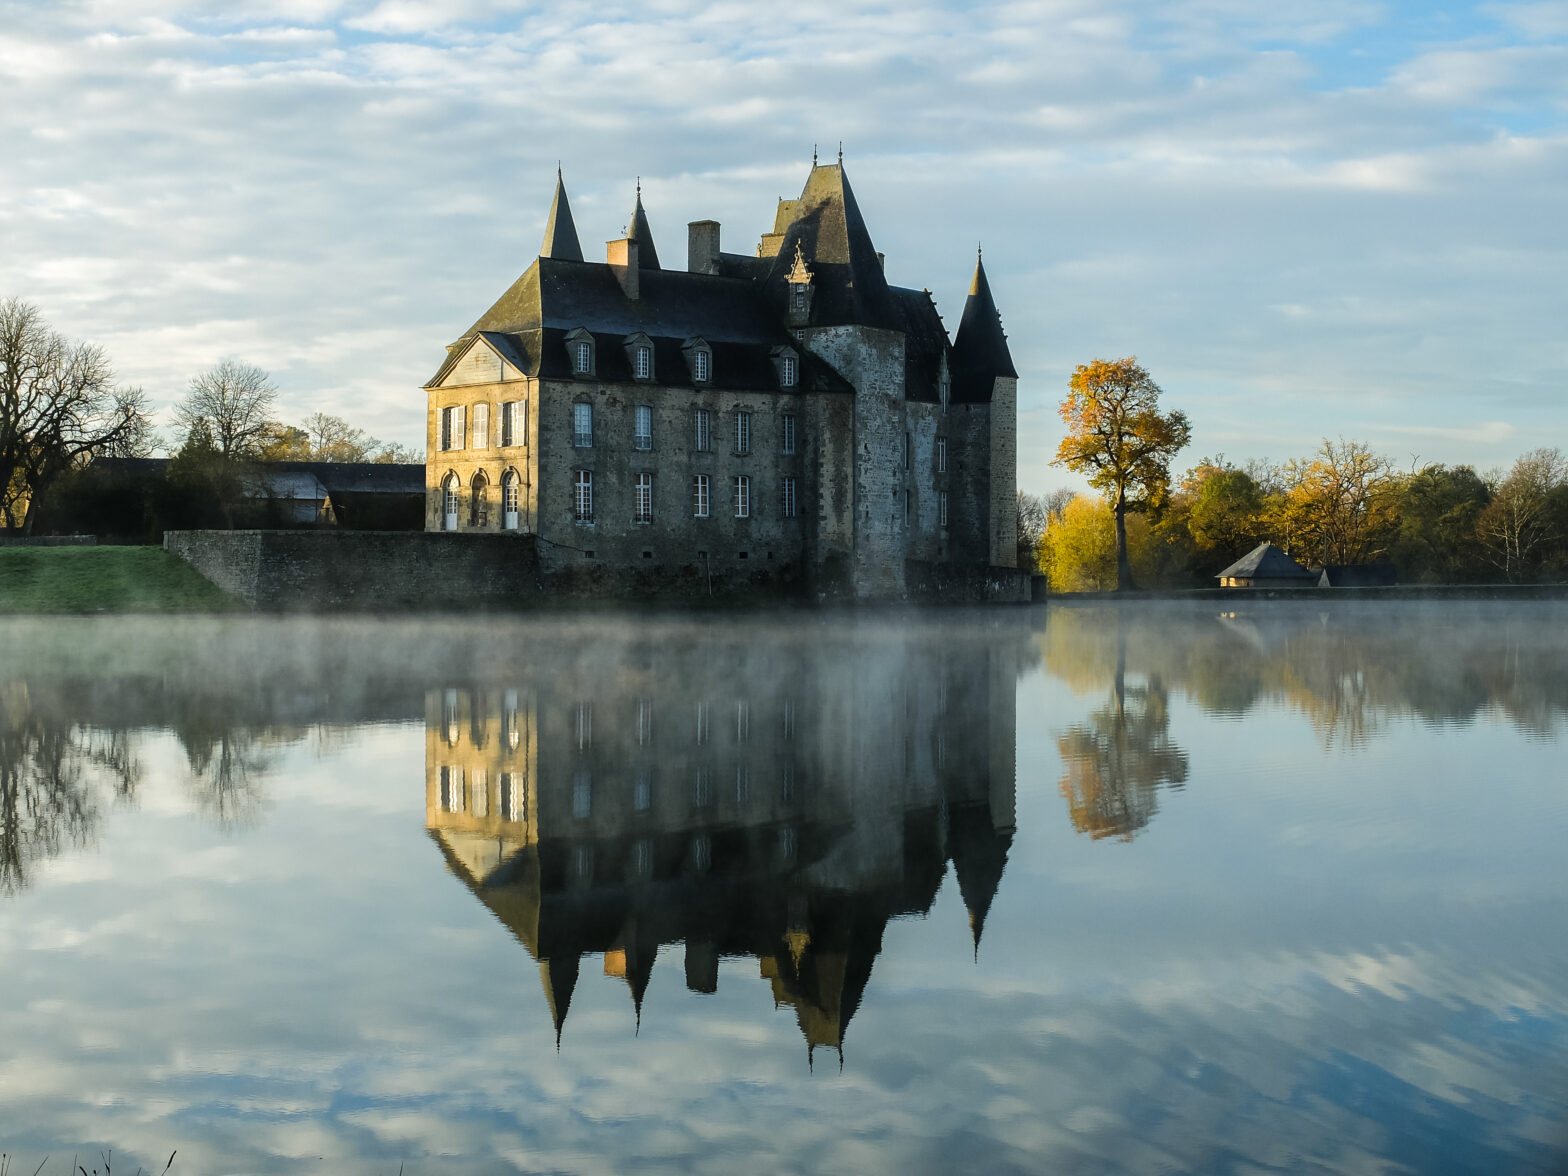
[983, 374]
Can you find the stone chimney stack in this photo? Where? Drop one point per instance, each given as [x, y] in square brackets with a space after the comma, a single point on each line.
[702, 247]
[622, 256]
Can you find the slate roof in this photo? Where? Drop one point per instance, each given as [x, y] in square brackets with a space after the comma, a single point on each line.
[1380, 574]
[638, 231]
[741, 310]
[337, 477]
[560, 231]
[1265, 561]
[980, 352]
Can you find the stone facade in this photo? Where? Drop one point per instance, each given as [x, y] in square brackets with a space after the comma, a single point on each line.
[789, 409]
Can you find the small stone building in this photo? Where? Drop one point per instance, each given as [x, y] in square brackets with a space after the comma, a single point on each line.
[785, 413]
[1266, 566]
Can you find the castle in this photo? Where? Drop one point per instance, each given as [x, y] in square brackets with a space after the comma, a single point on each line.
[788, 414]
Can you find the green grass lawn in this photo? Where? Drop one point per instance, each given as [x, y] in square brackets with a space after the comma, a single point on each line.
[104, 579]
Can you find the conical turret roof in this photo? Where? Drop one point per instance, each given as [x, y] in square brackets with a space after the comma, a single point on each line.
[979, 853]
[980, 352]
[560, 232]
[647, 255]
[559, 974]
[847, 273]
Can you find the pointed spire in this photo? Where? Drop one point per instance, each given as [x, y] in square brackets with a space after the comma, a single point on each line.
[560, 232]
[980, 349]
[559, 974]
[638, 231]
[979, 853]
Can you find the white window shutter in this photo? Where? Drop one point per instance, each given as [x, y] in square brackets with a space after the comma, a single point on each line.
[460, 433]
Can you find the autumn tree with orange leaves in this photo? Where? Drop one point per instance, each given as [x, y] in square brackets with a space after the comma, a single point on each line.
[1117, 435]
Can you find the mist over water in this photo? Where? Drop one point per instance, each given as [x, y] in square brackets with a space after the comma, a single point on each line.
[1082, 889]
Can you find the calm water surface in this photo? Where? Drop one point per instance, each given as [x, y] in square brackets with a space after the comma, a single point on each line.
[1069, 890]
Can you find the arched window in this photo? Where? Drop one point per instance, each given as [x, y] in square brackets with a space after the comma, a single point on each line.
[479, 504]
[449, 497]
[509, 500]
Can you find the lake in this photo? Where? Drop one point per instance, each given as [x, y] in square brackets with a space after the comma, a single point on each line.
[1144, 889]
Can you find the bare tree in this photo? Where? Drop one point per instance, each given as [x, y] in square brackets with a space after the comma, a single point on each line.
[1519, 523]
[1033, 515]
[59, 407]
[235, 400]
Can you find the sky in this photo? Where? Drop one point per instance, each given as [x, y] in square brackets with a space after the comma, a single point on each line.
[1332, 218]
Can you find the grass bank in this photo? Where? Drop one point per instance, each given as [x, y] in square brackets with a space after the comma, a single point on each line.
[104, 579]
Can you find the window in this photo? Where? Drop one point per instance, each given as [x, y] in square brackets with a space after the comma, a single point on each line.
[583, 356]
[742, 497]
[702, 723]
[481, 426]
[449, 498]
[479, 501]
[584, 726]
[583, 499]
[643, 487]
[789, 373]
[643, 426]
[509, 733]
[743, 432]
[514, 423]
[704, 431]
[582, 793]
[699, 365]
[797, 293]
[452, 424]
[702, 789]
[742, 720]
[642, 791]
[787, 499]
[941, 507]
[509, 499]
[941, 455]
[452, 790]
[699, 496]
[643, 364]
[480, 792]
[644, 722]
[582, 425]
[787, 433]
[514, 801]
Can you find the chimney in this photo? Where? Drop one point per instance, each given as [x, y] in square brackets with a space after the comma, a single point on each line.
[622, 256]
[702, 247]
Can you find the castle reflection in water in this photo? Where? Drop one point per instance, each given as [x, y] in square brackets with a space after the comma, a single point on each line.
[746, 800]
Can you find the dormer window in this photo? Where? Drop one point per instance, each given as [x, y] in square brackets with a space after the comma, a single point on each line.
[644, 361]
[639, 355]
[799, 279]
[788, 371]
[580, 352]
[700, 357]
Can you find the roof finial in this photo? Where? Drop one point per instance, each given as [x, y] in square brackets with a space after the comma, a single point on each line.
[639, 189]
[841, 153]
[813, 155]
[558, 170]
[979, 252]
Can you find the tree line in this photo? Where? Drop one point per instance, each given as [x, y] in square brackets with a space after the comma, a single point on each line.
[1343, 504]
[61, 408]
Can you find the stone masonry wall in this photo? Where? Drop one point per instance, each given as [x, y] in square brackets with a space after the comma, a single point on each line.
[318, 571]
[1004, 472]
[873, 361]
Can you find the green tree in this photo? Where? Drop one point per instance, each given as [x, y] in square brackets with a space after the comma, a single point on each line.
[1338, 507]
[1224, 511]
[1117, 435]
[1438, 509]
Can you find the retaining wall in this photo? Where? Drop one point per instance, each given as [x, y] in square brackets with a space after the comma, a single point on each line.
[319, 571]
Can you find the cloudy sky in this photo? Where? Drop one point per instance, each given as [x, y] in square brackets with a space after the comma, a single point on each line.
[1316, 218]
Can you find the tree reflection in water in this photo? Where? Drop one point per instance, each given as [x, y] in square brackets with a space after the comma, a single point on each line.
[1115, 764]
[53, 778]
